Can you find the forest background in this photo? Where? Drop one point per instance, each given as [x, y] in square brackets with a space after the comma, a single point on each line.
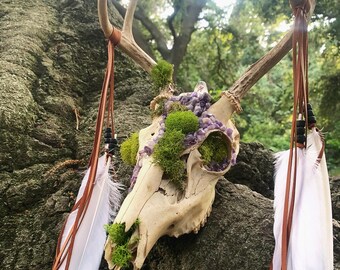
[215, 41]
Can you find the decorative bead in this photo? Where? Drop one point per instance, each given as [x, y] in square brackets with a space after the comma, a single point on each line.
[310, 113]
[300, 123]
[300, 130]
[108, 133]
[300, 139]
[311, 120]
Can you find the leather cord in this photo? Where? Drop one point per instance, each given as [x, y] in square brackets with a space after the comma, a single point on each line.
[300, 47]
[64, 252]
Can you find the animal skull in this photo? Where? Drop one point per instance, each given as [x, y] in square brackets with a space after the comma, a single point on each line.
[160, 206]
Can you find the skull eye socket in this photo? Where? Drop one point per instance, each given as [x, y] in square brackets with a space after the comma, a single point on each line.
[216, 151]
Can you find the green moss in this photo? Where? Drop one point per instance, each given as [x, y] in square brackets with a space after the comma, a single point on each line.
[214, 148]
[117, 233]
[121, 256]
[167, 154]
[129, 149]
[160, 108]
[161, 74]
[184, 121]
[177, 107]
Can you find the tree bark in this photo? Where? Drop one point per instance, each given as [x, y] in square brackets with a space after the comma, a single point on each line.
[52, 61]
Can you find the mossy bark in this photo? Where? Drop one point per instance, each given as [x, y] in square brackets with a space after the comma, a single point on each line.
[52, 60]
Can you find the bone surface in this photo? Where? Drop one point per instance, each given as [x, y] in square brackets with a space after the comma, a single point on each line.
[160, 206]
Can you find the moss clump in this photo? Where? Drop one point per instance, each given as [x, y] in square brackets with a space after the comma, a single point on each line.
[159, 108]
[121, 256]
[214, 148]
[177, 107]
[167, 154]
[184, 121]
[117, 233]
[161, 74]
[129, 149]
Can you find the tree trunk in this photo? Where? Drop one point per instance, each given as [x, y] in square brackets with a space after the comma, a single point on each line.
[52, 61]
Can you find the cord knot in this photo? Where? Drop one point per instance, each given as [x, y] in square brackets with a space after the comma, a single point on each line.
[115, 36]
[300, 6]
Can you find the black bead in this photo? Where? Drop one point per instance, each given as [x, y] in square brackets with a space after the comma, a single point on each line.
[310, 113]
[108, 133]
[107, 140]
[300, 123]
[309, 107]
[113, 141]
[300, 130]
[300, 139]
[311, 120]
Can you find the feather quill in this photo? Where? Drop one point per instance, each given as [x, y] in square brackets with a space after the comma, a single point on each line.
[91, 236]
[311, 238]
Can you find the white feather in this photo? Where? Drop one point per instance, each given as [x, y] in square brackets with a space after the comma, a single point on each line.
[91, 236]
[311, 239]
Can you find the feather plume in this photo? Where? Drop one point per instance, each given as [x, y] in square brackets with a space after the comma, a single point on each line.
[311, 239]
[102, 208]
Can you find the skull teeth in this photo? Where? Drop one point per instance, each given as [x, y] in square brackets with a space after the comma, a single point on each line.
[203, 222]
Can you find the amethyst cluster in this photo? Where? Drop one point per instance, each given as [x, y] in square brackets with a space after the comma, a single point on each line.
[198, 103]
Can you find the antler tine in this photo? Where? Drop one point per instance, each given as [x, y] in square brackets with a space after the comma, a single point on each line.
[127, 43]
[229, 101]
[127, 26]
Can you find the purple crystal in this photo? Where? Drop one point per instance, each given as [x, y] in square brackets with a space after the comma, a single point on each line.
[200, 132]
[148, 150]
[190, 107]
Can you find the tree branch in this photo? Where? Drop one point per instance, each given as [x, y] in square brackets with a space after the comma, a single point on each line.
[230, 100]
[151, 27]
[170, 19]
[127, 42]
[139, 37]
[155, 33]
[264, 64]
[192, 9]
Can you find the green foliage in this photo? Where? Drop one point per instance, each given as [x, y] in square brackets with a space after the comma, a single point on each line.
[168, 151]
[332, 154]
[121, 256]
[184, 121]
[214, 148]
[226, 43]
[159, 110]
[129, 149]
[161, 74]
[177, 107]
[117, 233]
[167, 155]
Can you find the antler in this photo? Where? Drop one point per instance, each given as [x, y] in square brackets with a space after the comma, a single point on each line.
[127, 42]
[229, 101]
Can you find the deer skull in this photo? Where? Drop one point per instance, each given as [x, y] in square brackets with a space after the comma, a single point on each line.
[161, 207]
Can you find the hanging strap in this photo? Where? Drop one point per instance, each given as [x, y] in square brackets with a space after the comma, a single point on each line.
[300, 55]
[65, 251]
